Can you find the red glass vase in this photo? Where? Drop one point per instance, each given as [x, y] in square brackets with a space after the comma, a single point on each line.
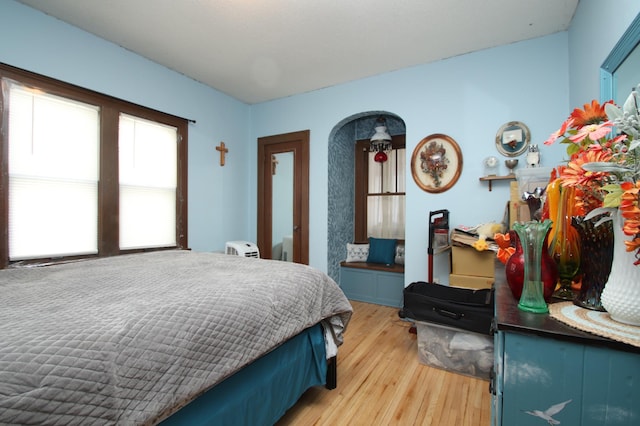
[514, 269]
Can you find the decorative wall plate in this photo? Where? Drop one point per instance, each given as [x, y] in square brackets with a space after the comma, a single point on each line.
[436, 163]
[512, 139]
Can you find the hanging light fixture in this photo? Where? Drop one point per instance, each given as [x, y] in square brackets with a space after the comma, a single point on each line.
[380, 141]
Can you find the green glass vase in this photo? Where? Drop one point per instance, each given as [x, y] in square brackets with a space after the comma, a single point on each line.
[532, 238]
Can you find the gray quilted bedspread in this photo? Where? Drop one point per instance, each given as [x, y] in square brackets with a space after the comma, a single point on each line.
[128, 339]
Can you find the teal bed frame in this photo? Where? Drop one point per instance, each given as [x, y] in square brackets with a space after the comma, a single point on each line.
[263, 391]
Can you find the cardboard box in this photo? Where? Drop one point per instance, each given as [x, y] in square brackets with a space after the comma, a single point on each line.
[469, 261]
[518, 209]
[469, 281]
[454, 349]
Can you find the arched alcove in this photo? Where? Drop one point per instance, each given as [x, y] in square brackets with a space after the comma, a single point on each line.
[341, 179]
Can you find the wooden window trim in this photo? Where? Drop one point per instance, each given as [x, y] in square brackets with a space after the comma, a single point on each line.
[108, 186]
[361, 167]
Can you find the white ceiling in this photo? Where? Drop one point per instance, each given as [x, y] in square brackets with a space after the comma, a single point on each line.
[258, 50]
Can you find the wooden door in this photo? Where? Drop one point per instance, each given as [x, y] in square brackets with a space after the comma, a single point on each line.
[272, 152]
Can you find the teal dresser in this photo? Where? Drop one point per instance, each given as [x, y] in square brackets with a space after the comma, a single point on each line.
[547, 372]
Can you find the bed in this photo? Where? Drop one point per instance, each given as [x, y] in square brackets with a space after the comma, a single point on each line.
[175, 336]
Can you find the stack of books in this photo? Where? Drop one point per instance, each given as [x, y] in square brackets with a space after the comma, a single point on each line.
[463, 237]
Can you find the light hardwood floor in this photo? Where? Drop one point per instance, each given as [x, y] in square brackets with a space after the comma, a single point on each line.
[382, 382]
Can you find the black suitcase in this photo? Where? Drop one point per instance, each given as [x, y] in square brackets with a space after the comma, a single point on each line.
[463, 308]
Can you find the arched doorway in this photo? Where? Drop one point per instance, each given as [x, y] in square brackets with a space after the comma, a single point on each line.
[340, 205]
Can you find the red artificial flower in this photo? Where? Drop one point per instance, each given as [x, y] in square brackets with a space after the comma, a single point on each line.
[630, 210]
[505, 250]
[591, 114]
[573, 174]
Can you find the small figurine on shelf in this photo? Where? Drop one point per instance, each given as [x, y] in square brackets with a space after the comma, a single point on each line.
[533, 156]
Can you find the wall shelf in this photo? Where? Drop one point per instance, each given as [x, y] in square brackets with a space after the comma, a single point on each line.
[491, 178]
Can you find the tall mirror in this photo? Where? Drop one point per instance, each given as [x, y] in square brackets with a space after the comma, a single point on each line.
[283, 197]
[282, 206]
[627, 76]
[621, 70]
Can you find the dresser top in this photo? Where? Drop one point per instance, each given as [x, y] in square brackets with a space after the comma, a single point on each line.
[511, 319]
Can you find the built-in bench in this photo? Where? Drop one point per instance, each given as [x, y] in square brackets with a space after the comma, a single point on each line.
[373, 282]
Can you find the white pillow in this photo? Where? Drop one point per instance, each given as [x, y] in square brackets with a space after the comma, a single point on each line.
[357, 252]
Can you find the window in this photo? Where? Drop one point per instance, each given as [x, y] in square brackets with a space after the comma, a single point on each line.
[86, 174]
[380, 192]
[53, 175]
[148, 178]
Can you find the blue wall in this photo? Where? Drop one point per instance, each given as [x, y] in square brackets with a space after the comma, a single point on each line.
[467, 97]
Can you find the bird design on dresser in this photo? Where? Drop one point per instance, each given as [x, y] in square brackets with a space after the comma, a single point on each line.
[549, 412]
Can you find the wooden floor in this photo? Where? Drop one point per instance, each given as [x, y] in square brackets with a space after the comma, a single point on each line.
[382, 382]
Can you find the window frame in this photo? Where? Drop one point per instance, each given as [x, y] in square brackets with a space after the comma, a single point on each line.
[361, 185]
[108, 185]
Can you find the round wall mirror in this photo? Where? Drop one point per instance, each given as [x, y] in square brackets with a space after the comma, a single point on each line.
[513, 139]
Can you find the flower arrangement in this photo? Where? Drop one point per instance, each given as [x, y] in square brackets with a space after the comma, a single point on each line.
[604, 166]
[434, 162]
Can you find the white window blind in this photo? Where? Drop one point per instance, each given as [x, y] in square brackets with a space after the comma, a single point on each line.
[148, 181]
[386, 213]
[53, 175]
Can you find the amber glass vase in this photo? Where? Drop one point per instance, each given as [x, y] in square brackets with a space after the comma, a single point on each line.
[565, 246]
[553, 200]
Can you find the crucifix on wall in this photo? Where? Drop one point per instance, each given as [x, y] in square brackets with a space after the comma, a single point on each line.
[223, 150]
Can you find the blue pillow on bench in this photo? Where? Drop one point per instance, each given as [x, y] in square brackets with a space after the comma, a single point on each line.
[382, 250]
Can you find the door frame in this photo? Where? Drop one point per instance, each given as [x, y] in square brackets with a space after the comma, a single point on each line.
[298, 143]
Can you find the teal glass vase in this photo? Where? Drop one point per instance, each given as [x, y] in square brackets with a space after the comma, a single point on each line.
[532, 238]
